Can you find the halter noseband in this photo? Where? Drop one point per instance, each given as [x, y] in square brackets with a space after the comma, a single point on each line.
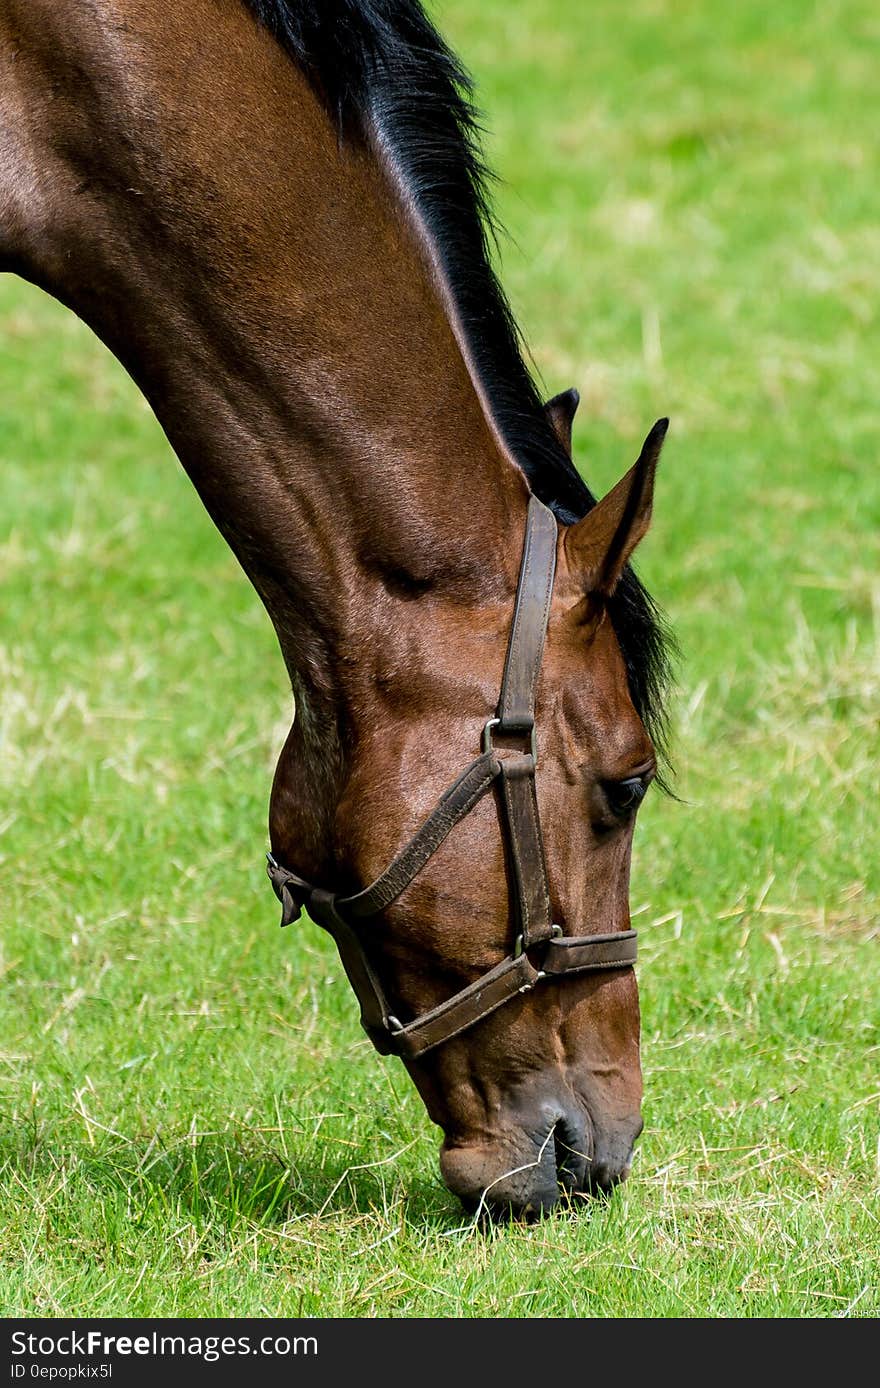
[514, 771]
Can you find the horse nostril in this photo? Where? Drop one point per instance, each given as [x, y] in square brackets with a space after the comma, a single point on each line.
[574, 1149]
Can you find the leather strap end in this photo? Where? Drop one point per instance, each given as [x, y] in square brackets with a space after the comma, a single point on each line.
[284, 885]
[291, 909]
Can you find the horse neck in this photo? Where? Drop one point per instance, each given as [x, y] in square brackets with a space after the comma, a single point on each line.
[189, 197]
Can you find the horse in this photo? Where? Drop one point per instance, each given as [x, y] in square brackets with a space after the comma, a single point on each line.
[274, 213]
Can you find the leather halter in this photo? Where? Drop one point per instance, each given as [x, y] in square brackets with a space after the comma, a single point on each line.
[536, 937]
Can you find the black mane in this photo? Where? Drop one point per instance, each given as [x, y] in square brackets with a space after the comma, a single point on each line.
[385, 72]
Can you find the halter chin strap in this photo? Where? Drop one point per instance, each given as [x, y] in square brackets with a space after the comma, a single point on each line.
[509, 757]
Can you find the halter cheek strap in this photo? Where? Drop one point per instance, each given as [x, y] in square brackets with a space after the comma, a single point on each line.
[534, 932]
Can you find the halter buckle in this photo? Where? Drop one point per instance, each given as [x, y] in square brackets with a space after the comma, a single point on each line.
[488, 745]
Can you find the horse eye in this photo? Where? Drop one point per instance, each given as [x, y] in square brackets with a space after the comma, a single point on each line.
[624, 797]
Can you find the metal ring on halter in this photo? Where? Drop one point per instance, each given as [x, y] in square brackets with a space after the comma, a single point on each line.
[555, 932]
[488, 745]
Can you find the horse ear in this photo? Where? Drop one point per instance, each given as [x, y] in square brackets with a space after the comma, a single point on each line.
[598, 547]
[560, 412]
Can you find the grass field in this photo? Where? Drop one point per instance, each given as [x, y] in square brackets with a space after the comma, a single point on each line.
[191, 1121]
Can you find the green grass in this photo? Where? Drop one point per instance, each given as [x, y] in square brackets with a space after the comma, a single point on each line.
[190, 1120]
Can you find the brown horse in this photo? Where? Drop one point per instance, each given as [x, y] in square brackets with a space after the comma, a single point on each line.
[272, 212]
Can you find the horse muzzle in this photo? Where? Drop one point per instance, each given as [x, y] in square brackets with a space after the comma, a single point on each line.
[525, 1178]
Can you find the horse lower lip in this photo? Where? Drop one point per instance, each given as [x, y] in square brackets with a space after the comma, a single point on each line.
[498, 1182]
[530, 1188]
